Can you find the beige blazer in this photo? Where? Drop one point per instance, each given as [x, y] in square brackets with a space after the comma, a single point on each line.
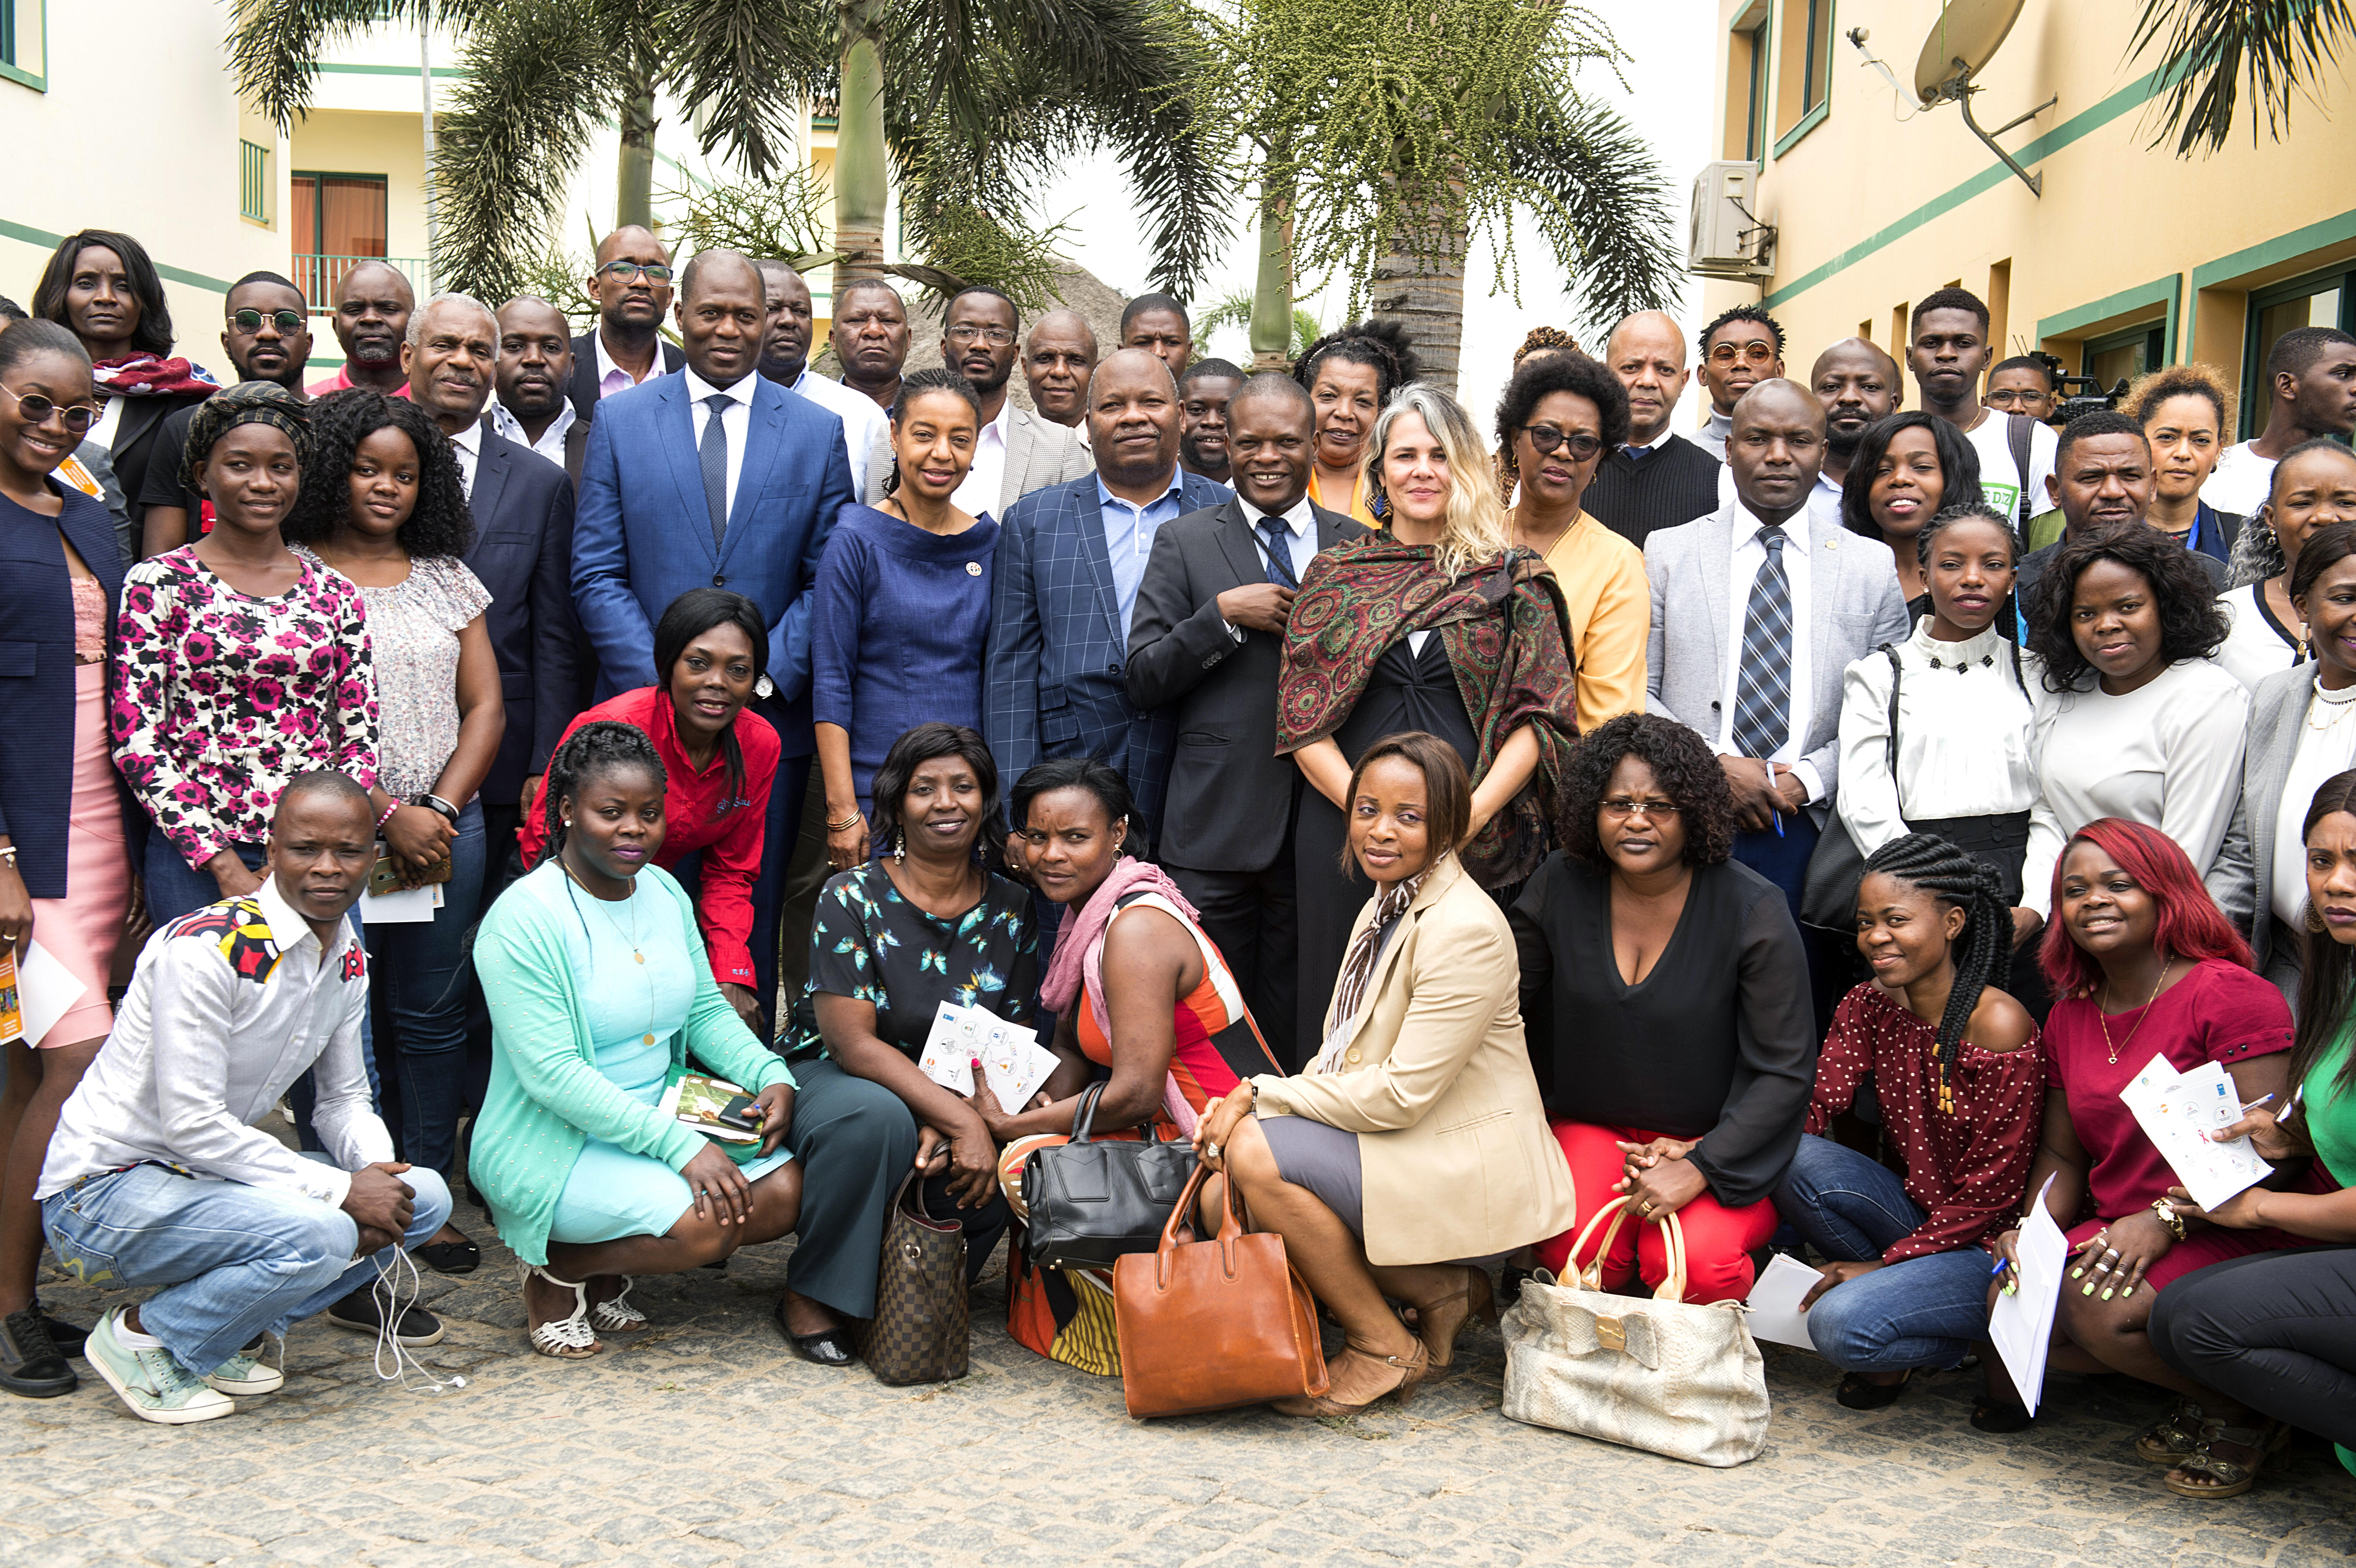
[1453, 1149]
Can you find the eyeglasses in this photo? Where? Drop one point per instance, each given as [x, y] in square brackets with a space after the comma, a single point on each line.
[1653, 810]
[1583, 445]
[1758, 351]
[996, 337]
[38, 408]
[252, 320]
[2012, 398]
[656, 273]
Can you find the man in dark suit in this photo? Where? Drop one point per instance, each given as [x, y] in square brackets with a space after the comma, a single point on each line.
[1659, 479]
[1070, 559]
[632, 283]
[716, 476]
[534, 409]
[1204, 647]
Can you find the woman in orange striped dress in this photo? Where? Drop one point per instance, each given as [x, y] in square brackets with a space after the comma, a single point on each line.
[1148, 997]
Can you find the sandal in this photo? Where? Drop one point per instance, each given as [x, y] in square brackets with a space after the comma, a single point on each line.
[2171, 1439]
[564, 1338]
[2233, 1476]
[1856, 1393]
[615, 1314]
[1410, 1367]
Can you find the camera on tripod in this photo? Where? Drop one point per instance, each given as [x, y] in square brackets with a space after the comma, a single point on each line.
[2075, 395]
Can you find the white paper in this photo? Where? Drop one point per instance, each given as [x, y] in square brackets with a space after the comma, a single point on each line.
[404, 906]
[1775, 1313]
[2177, 1112]
[1015, 1064]
[2021, 1324]
[950, 1050]
[46, 989]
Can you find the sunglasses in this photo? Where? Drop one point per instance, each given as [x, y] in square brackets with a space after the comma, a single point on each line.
[252, 320]
[38, 408]
[1545, 438]
[656, 271]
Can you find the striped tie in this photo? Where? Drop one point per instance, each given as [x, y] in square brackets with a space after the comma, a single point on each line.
[1279, 540]
[1763, 688]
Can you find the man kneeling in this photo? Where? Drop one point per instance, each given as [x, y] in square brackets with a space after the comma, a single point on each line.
[156, 1174]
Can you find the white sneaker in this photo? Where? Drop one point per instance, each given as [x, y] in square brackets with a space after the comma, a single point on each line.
[153, 1383]
[246, 1375]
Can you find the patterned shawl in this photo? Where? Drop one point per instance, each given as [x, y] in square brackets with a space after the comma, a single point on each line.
[1501, 624]
[144, 375]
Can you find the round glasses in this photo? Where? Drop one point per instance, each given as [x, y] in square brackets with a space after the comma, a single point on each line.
[38, 408]
[252, 320]
[1583, 445]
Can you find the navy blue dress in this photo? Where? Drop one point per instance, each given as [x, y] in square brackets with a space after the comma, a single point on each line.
[898, 620]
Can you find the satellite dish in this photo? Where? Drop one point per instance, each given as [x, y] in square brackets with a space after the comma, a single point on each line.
[1964, 40]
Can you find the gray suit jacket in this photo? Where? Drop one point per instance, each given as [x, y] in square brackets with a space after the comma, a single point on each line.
[1854, 604]
[2242, 880]
[1039, 453]
[1221, 692]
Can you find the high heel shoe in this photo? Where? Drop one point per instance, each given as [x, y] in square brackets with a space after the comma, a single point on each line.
[1363, 1373]
[1439, 1320]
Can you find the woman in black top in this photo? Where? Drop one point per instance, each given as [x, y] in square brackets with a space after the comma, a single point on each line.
[921, 924]
[1669, 1074]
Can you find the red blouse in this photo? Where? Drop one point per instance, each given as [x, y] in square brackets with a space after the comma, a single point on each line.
[698, 814]
[1968, 1166]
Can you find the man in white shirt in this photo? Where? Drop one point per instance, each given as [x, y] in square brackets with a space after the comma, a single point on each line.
[784, 359]
[1015, 452]
[158, 1174]
[1947, 347]
[2310, 392]
[535, 362]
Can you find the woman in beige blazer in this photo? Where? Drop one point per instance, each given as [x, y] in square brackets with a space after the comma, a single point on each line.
[1417, 1135]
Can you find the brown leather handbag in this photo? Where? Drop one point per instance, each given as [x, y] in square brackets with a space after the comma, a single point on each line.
[1212, 1324]
[920, 1333]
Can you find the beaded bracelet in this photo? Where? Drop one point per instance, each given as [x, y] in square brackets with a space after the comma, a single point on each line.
[387, 815]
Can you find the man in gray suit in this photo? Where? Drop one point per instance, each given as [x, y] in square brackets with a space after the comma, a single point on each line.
[1758, 610]
[1205, 641]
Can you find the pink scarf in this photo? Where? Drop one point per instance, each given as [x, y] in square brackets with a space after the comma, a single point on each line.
[144, 375]
[1079, 959]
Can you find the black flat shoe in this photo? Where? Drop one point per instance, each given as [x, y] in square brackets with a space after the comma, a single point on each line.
[31, 1366]
[827, 1347]
[450, 1258]
[65, 1336]
[2000, 1415]
[1856, 1393]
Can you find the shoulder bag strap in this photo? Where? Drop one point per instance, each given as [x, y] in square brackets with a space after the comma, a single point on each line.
[2019, 435]
[1897, 670]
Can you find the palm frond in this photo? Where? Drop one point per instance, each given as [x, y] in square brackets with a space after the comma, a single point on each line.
[2209, 48]
[1234, 310]
[785, 218]
[748, 65]
[1605, 210]
[274, 45]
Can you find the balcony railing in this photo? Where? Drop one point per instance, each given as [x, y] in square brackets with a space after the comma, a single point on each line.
[254, 182]
[317, 275]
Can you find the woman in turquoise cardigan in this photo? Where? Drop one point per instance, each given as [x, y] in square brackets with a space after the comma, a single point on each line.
[599, 994]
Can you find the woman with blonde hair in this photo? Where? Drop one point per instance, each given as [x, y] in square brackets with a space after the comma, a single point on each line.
[1438, 626]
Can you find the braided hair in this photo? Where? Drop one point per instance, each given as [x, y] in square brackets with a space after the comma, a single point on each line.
[1927, 862]
[1381, 345]
[593, 750]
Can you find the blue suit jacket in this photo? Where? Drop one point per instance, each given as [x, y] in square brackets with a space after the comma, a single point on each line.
[523, 552]
[642, 536]
[1056, 680]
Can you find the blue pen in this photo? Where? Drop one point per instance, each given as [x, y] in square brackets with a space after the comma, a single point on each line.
[1773, 815]
[2001, 1265]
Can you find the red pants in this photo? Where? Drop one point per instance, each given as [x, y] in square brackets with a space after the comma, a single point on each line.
[1718, 1240]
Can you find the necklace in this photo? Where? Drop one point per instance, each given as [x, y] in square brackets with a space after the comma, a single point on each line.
[2332, 706]
[605, 904]
[2103, 1019]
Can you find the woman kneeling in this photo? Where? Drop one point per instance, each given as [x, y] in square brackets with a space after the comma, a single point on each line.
[599, 993]
[1416, 1137]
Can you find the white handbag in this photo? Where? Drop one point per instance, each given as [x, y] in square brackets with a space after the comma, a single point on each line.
[1656, 1374]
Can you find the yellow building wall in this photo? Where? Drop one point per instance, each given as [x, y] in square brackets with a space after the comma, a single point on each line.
[1878, 201]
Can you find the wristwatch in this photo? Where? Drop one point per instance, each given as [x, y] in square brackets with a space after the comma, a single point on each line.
[439, 808]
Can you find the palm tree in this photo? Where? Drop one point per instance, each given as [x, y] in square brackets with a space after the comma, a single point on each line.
[2209, 48]
[1385, 136]
[969, 102]
[1236, 309]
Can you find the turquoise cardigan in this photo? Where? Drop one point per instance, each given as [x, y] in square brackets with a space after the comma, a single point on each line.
[546, 1096]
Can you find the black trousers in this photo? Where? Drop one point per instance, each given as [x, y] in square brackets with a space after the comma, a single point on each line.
[1254, 919]
[2276, 1331]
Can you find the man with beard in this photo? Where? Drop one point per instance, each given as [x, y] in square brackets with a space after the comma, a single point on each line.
[632, 287]
[870, 338]
[784, 359]
[373, 305]
[535, 364]
[1204, 394]
[267, 337]
[1017, 452]
[1857, 384]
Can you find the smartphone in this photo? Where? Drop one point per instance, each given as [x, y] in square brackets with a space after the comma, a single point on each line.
[741, 1112]
[384, 876]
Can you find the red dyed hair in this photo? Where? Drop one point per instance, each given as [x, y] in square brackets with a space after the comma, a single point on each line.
[2190, 925]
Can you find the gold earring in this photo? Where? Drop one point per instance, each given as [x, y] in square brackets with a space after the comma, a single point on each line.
[2313, 921]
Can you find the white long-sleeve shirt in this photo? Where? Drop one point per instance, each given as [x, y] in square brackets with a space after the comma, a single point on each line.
[2168, 754]
[229, 1007]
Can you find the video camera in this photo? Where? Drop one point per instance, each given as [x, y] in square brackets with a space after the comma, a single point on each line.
[2075, 395]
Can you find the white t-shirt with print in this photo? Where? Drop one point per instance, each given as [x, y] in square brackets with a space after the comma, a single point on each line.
[2000, 476]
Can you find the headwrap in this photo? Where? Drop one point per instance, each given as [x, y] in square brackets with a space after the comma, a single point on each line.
[151, 376]
[1501, 624]
[1079, 955]
[248, 402]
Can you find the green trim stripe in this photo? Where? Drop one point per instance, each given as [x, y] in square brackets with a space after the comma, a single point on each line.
[2167, 291]
[337, 67]
[2274, 252]
[29, 235]
[2126, 101]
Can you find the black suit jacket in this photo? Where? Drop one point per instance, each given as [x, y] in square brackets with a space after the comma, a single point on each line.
[582, 389]
[139, 443]
[1225, 773]
[523, 552]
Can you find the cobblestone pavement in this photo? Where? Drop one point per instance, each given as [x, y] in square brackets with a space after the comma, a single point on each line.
[705, 1442]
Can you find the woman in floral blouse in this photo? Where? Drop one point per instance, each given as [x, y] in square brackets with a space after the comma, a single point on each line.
[238, 665]
[921, 925]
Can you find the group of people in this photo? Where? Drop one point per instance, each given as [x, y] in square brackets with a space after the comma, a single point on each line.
[1453, 835]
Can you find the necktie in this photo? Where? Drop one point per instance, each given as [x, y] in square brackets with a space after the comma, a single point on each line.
[1279, 540]
[1637, 453]
[712, 456]
[1763, 688]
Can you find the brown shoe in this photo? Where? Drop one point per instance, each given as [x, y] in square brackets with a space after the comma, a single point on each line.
[1356, 1380]
[1439, 1320]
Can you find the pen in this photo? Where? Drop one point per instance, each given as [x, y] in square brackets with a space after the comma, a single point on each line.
[2256, 1104]
[1773, 815]
[2001, 1265]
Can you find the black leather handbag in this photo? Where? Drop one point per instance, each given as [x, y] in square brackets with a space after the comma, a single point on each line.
[1092, 1200]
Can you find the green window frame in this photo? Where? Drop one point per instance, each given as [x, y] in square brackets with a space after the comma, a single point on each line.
[2149, 336]
[14, 65]
[252, 181]
[1815, 72]
[2257, 342]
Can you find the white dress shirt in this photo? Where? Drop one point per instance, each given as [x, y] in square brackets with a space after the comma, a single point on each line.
[737, 419]
[467, 447]
[1299, 542]
[2327, 746]
[978, 492]
[1742, 570]
[551, 444]
[864, 423]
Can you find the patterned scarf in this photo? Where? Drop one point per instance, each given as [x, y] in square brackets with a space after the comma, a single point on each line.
[1358, 967]
[248, 402]
[1503, 626]
[1079, 956]
[151, 376]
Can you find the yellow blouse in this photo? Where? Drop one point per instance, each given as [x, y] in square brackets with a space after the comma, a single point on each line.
[1611, 605]
[1357, 507]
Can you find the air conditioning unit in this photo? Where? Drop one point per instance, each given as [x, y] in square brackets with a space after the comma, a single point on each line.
[1726, 241]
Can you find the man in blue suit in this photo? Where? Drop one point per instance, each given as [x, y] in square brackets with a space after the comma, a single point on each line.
[710, 477]
[1063, 588]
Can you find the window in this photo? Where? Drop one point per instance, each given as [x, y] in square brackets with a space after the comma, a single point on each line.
[2123, 356]
[2319, 299]
[1814, 72]
[252, 182]
[1746, 85]
[23, 43]
[337, 219]
[1804, 63]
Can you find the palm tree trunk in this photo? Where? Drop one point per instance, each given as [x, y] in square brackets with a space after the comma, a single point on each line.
[1271, 317]
[634, 203]
[861, 165]
[1424, 294]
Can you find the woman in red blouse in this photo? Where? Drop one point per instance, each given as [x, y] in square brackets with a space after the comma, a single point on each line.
[1959, 1087]
[2145, 964]
[718, 763]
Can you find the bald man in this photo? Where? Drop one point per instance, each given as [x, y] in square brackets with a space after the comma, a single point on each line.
[1857, 384]
[1659, 478]
[1056, 364]
[632, 286]
[1758, 609]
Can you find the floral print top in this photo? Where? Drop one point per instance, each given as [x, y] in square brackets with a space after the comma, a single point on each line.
[413, 629]
[220, 698]
[873, 945]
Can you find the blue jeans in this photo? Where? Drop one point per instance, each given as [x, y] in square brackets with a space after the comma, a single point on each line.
[236, 1262]
[175, 888]
[1924, 1312]
[417, 974]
